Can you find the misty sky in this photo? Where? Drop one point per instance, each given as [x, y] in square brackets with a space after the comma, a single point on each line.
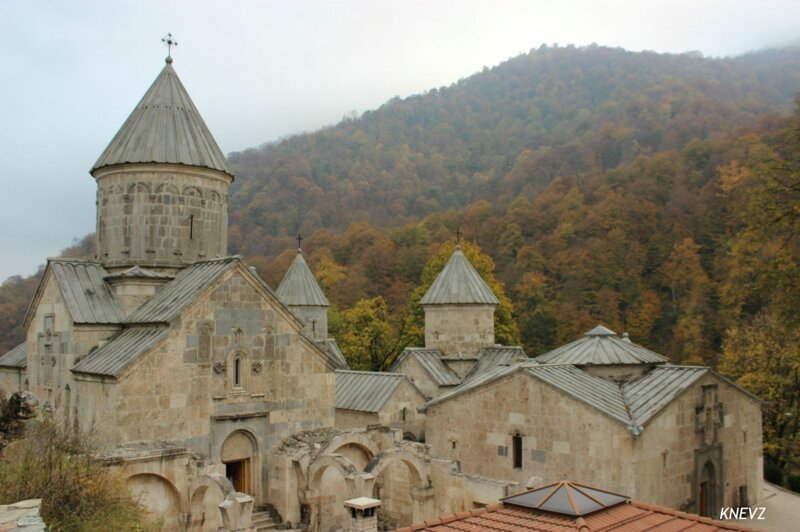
[71, 72]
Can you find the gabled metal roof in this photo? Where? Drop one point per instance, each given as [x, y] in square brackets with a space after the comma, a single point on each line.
[16, 358]
[649, 394]
[165, 127]
[88, 297]
[459, 283]
[430, 360]
[601, 346]
[605, 395]
[488, 376]
[121, 351]
[633, 403]
[367, 391]
[188, 284]
[334, 355]
[299, 287]
[491, 357]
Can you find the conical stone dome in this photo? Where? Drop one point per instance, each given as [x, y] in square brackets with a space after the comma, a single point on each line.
[165, 127]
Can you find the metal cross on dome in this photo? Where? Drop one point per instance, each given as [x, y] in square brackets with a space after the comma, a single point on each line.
[169, 42]
[299, 240]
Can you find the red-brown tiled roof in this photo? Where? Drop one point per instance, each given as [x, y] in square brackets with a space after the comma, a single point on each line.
[633, 516]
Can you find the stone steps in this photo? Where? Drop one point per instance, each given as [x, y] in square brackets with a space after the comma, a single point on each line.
[262, 521]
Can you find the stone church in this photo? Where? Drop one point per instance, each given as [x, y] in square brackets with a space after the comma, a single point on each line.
[217, 395]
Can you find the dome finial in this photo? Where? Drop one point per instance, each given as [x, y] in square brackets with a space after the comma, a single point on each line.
[169, 42]
[299, 243]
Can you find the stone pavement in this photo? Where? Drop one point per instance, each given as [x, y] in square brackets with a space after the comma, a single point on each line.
[22, 516]
[782, 509]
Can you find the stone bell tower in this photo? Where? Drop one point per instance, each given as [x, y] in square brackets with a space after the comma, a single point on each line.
[459, 309]
[162, 185]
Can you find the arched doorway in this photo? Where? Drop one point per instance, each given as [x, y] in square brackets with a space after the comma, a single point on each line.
[239, 454]
[707, 503]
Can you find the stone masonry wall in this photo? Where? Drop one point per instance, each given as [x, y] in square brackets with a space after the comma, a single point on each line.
[420, 377]
[161, 215]
[185, 387]
[404, 402]
[666, 451]
[459, 328]
[55, 344]
[562, 438]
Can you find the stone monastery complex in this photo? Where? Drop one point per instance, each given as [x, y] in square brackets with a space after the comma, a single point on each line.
[217, 395]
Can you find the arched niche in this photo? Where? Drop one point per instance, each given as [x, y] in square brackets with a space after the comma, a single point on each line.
[159, 498]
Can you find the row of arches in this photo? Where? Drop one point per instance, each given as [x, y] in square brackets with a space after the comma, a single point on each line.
[199, 509]
[140, 187]
[350, 467]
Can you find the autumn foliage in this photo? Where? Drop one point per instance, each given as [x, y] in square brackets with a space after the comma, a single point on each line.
[658, 194]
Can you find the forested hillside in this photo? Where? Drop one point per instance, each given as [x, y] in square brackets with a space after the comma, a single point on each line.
[657, 194]
[507, 131]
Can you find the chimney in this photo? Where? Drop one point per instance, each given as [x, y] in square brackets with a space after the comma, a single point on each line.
[363, 514]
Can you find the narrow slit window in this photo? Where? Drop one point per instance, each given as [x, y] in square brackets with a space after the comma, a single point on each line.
[191, 226]
[517, 451]
[237, 372]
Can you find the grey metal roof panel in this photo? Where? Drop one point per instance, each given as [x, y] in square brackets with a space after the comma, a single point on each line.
[88, 297]
[299, 287]
[459, 283]
[334, 354]
[16, 358]
[121, 351]
[490, 375]
[365, 391]
[633, 403]
[491, 357]
[600, 393]
[601, 347]
[649, 394]
[430, 360]
[175, 296]
[165, 127]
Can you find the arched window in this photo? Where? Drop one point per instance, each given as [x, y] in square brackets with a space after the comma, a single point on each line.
[237, 371]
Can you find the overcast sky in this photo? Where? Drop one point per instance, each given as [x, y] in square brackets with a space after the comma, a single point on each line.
[71, 72]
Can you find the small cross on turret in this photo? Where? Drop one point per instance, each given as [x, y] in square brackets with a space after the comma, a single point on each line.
[169, 41]
[299, 240]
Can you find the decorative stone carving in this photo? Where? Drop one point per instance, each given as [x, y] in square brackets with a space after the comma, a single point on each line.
[238, 336]
[219, 367]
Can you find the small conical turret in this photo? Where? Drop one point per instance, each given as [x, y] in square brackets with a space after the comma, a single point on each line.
[300, 292]
[459, 309]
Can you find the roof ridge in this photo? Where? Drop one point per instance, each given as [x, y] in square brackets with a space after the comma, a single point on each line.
[74, 259]
[362, 372]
